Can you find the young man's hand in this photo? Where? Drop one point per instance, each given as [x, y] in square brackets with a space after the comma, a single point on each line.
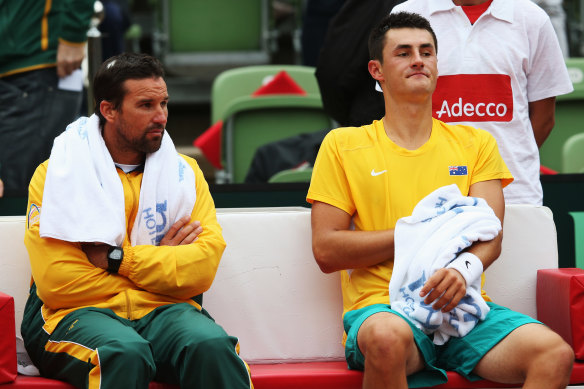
[445, 288]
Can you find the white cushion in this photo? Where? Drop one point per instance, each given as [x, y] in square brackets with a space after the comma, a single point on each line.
[270, 293]
[529, 244]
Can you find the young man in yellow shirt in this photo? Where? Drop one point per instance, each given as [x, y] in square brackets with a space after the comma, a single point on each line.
[367, 178]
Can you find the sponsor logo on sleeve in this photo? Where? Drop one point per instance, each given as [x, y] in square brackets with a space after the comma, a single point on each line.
[34, 215]
[473, 98]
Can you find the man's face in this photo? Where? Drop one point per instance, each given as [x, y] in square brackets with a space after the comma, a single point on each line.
[141, 119]
[410, 65]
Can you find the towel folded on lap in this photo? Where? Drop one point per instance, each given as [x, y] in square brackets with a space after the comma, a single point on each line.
[441, 226]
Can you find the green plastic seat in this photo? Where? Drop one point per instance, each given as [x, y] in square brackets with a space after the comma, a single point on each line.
[250, 122]
[569, 117]
[573, 154]
[204, 34]
[243, 81]
[578, 238]
[292, 175]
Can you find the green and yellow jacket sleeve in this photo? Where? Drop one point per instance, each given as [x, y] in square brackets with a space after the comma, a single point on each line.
[64, 276]
[32, 29]
[74, 20]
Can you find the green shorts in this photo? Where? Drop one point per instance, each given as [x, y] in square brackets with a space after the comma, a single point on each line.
[458, 354]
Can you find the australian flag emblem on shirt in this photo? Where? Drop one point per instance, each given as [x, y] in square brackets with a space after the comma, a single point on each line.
[457, 170]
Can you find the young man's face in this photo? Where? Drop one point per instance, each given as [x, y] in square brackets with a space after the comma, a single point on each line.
[410, 65]
[139, 123]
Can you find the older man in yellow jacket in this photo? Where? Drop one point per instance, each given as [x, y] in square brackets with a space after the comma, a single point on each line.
[123, 239]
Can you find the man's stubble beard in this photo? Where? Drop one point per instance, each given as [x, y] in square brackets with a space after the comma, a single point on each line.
[141, 144]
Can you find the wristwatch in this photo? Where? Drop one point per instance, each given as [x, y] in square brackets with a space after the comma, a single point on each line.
[115, 255]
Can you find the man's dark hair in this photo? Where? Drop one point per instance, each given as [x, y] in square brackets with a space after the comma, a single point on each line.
[394, 21]
[108, 83]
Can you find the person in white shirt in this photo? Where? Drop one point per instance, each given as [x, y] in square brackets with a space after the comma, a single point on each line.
[500, 69]
[555, 10]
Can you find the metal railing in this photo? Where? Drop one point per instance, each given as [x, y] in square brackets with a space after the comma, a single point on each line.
[93, 51]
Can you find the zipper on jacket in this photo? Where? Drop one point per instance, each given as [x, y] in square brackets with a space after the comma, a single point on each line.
[128, 306]
[132, 217]
[135, 199]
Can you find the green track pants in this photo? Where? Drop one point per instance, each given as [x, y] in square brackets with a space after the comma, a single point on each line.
[95, 348]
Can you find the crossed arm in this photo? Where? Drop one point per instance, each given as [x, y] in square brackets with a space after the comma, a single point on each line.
[180, 233]
[71, 274]
[336, 247]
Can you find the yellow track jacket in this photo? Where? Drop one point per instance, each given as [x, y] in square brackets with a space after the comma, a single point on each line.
[149, 276]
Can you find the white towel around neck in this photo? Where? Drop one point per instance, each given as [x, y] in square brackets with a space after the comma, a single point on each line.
[83, 198]
[442, 225]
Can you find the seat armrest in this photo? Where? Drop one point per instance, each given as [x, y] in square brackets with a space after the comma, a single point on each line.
[8, 368]
[560, 304]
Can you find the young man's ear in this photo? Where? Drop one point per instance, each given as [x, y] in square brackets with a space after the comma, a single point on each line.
[107, 110]
[376, 70]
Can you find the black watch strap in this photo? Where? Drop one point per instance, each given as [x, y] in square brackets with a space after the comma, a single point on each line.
[115, 255]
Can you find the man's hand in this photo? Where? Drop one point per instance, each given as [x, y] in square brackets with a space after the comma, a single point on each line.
[96, 253]
[447, 287]
[69, 58]
[182, 232]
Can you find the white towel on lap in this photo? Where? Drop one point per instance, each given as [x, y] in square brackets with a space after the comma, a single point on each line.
[442, 225]
[83, 198]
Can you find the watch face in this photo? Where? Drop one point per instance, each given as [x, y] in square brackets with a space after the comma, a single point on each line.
[116, 254]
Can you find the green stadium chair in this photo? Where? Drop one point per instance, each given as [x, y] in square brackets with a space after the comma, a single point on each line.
[201, 34]
[250, 122]
[243, 81]
[573, 154]
[292, 175]
[569, 117]
[578, 238]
